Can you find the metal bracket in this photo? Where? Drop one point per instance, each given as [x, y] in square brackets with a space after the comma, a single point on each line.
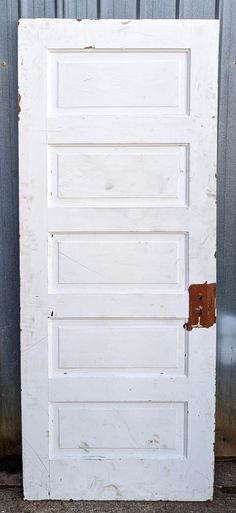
[202, 306]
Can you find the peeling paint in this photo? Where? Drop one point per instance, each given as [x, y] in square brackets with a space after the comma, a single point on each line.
[19, 106]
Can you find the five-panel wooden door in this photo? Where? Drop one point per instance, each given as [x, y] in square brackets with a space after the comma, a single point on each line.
[117, 195]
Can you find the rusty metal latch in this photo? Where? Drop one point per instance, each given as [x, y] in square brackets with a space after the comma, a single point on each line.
[202, 306]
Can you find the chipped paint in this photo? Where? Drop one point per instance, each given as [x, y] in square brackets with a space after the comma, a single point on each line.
[19, 106]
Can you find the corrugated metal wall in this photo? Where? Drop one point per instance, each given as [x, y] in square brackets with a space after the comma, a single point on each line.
[226, 250]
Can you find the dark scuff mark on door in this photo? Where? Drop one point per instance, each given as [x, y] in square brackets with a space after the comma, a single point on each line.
[19, 106]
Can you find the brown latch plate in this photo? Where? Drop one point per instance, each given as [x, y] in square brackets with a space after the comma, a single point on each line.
[202, 306]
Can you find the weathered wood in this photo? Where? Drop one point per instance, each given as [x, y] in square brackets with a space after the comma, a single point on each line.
[9, 283]
[84, 272]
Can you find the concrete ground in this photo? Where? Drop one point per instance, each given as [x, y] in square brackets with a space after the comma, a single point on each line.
[224, 502]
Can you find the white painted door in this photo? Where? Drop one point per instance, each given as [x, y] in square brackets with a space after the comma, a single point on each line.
[117, 192]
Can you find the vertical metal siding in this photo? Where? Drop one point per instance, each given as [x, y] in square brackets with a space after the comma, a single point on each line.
[121, 9]
[157, 9]
[226, 350]
[226, 251]
[197, 9]
[9, 274]
[80, 9]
